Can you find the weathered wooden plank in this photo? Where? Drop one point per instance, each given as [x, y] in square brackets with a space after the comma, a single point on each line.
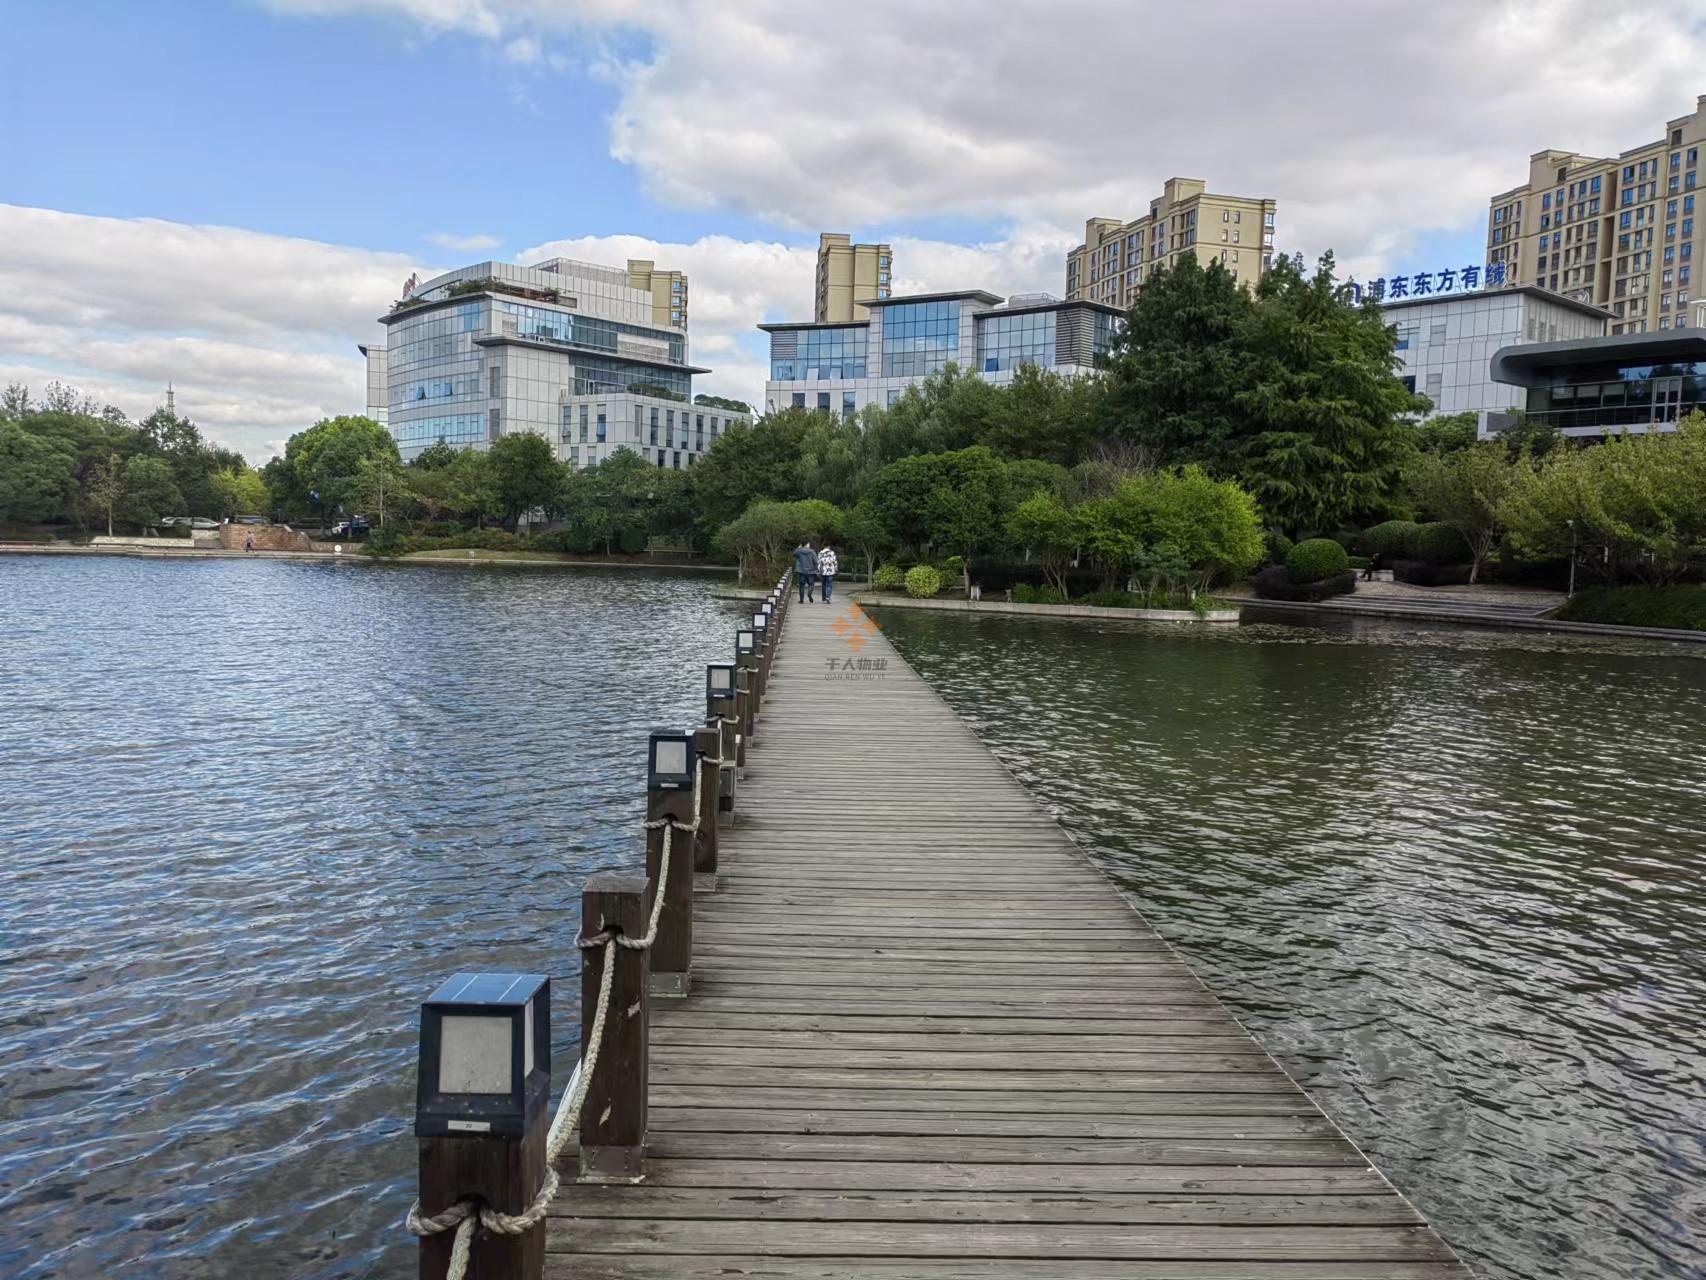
[564, 1266]
[925, 1059]
[948, 1005]
[689, 1015]
[666, 1070]
[952, 1041]
[1057, 1103]
[971, 1149]
[871, 1121]
[959, 1206]
[993, 1240]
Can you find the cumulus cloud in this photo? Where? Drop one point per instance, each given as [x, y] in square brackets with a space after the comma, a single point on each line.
[257, 332]
[1371, 123]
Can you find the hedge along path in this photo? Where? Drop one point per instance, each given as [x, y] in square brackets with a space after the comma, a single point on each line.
[926, 1039]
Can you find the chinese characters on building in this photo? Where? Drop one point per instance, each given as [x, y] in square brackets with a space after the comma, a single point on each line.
[1424, 283]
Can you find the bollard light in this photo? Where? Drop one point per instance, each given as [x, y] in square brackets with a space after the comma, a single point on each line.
[746, 641]
[673, 762]
[760, 623]
[767, 608]
[719, 681]
[485, 1063]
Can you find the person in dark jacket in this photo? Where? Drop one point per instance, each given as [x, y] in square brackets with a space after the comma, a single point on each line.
[805, 569]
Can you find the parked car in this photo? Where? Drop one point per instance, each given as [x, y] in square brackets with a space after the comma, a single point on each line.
[202, 522]
[248, 520]
[172, 522]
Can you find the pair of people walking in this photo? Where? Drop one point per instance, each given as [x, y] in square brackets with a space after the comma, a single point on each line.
[812, 567]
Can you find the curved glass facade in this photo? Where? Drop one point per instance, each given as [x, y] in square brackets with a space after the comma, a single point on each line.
[820, 353]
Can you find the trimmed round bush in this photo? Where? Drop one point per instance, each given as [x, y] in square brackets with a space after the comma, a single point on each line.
[1437, 543]
[1389, 539]
[888, 577]
[1279, 546]
[1314, 559]
[922, 582]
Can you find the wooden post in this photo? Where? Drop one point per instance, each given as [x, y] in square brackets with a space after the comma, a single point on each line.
[708, 742]
[672, 950]
[743, 707]
[761, 670]
[490, 1149]
[725, 749]
[613, 1118]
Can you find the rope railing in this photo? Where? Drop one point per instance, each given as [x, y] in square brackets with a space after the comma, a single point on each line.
[470, 1214]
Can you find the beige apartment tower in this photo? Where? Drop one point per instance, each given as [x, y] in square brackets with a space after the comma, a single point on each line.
[1236, 231]
[1620, 232]
[668, 290]
[846, 272]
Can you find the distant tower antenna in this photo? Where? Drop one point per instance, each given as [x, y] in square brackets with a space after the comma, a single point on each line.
[171, 402]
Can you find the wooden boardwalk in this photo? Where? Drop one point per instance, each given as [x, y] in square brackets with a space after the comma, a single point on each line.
[926, 1039]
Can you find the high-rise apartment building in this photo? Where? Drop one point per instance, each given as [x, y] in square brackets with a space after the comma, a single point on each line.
[1618, 232]
[668, 290]
[847, 272]
[1110, 266]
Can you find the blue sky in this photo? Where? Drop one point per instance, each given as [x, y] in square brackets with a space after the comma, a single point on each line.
[226, 193]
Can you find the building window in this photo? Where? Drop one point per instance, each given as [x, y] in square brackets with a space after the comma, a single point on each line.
[583, 424]
[497, 382]
[1434, 383]
[799, 400]
[494, 425]
[823, 402]
[676, 464]
[849, 405]
[654, 424]
[600, 424]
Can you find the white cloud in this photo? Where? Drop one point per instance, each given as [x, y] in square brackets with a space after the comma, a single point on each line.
[257, 332]
[1371, 123]
[463, 244]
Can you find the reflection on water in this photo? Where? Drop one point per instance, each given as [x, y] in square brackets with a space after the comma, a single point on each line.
[253, 812]
[1451, 878]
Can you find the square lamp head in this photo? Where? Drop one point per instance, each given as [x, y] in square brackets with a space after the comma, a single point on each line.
[485, 1066]
[671, 762]
[760, 623]
[746, 642]
[719, 681]
[767, 608]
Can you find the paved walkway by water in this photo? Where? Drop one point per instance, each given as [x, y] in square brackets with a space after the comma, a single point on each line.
[926, 1039]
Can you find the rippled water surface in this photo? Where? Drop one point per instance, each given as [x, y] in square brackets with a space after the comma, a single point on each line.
[1455, 880]
[250, 814]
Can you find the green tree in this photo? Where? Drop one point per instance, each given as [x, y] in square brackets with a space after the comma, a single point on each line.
[1043, 416]
[327, 457]
[751, 460]
[525, 469]
[240, 491]
[1327, 437]
[103, 487]
[38, 475]
[761, 536]
[1209, 525]
[865, 535]
[1446, 432]
[953, 502]
[150, 490]
[1042, 526]
[382, 487]
[1177, 360]
[435, 457]
[1468, 490]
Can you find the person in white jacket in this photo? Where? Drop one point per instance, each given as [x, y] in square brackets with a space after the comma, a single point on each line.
[827, 564]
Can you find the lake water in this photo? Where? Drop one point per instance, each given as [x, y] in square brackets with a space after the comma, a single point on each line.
[1454, 880]
[253, 812]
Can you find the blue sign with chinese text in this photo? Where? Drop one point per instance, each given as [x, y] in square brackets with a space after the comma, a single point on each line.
[1460, 280]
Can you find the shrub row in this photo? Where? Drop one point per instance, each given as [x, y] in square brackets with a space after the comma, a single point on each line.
[1423, 573]
[1276, 583]
[1683, 607]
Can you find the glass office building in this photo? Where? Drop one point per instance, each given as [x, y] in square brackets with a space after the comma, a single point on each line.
[495, 349]
[841, 368]
[1594, 387]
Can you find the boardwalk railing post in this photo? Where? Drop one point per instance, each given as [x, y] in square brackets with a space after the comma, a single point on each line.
[708, 742]
[762, 630]
[746, 665]
[672, 770]
[613, 1117]
[481, 1117]
[720, 708]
